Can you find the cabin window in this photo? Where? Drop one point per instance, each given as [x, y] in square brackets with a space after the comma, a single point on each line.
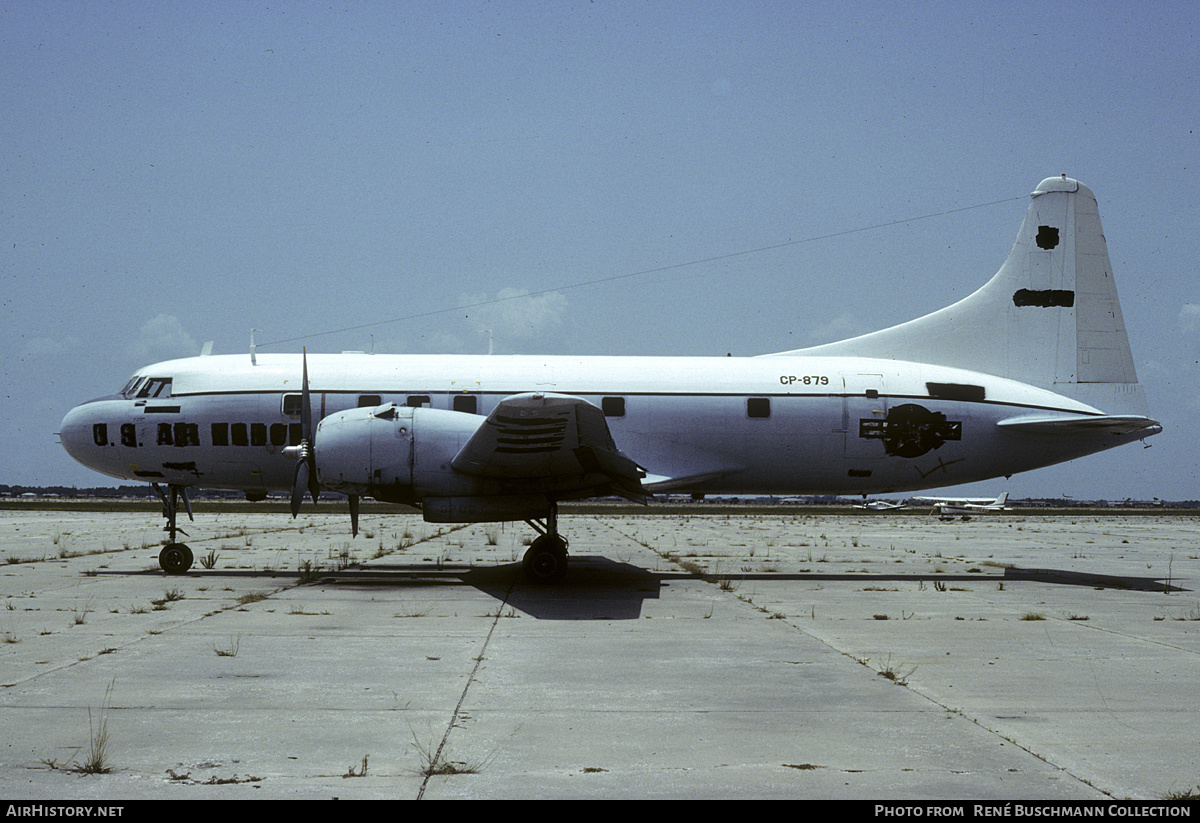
[220, 434]
[416, 401]
[293, 405]
[468, 403]
[613, 406]
[279, 434]
[369, 401]
[237, 434]
[758, 407]
[258, 434]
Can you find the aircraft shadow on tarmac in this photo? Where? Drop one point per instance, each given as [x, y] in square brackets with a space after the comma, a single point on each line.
[1094, 581]
[599, 588]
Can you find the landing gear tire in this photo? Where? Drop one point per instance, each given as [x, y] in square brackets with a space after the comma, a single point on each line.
[546, 560]
[175, 558]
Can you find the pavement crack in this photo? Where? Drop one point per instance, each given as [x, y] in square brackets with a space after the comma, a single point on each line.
[439, 754]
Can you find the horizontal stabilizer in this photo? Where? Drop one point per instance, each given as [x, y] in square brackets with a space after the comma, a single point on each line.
[658, 483]
[1113, 424]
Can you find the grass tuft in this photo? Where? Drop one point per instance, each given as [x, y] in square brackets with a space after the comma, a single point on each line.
[97, 761]
[235, 643]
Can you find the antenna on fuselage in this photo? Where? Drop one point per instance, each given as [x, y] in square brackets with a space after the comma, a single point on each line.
[253, 361]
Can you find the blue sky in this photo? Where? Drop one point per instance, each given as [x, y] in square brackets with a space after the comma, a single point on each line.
[175, 173]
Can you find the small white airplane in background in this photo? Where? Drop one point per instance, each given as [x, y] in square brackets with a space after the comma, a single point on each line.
[1032, 369]
[967, 505]
[879, 505]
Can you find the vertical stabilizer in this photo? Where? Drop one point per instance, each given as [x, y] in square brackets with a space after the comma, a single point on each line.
[1050, 316]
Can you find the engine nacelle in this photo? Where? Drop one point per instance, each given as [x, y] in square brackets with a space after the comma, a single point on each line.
[394, 453]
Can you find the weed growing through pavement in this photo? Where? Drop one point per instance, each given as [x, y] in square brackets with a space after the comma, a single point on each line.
[1191, 614]
[97, 761]
[434, 761]
[80, 614]
[896, 674]
[309, 571]
[361, 772]
[235, 644]
[169, 596]
[253, 597]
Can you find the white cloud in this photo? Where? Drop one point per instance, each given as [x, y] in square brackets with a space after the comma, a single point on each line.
[514, 315]
[162, 338]
[41, 348]
[1189, 318]
[839, 328]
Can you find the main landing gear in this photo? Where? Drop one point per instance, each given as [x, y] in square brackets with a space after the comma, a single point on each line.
[546, 559]
[175, 558]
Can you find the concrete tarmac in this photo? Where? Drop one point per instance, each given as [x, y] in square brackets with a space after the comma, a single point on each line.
[782, 655]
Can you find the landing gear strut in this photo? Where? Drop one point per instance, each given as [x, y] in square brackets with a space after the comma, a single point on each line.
[175, 558]
[546, 559]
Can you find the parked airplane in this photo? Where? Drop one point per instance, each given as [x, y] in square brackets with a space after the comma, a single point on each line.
[879, 506]
[1032, 369]
[967, 505]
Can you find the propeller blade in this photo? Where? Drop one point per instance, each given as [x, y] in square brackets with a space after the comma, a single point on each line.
[314, 485]
[298, 486]
[306, 426]
[306, 401]
[354, 515]
[306, 465]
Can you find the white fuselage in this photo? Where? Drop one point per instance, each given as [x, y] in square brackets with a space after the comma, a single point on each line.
[765, 425]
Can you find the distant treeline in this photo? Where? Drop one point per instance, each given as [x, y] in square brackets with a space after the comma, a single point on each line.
[109, 492]
[145, 491]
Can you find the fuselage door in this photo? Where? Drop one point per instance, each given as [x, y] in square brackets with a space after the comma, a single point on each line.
[864, 417]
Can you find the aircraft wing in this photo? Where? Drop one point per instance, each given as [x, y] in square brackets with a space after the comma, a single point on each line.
[543, 436]
[957, 501]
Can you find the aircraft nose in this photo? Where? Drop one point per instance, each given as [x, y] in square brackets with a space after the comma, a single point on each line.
[85, 434]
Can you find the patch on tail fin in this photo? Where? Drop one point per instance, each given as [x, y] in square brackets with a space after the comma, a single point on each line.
[1050, 317]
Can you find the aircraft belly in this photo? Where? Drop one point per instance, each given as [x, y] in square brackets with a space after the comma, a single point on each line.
[853, 445]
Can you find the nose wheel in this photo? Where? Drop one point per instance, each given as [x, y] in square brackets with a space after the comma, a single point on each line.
[175, 558]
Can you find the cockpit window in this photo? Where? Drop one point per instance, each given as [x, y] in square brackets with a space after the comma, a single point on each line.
[128, 391]
[155, 387]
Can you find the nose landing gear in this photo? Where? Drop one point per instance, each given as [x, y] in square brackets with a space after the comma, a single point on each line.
[175, 558]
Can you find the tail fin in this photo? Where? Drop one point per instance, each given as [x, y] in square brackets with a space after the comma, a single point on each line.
[1050, 316]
